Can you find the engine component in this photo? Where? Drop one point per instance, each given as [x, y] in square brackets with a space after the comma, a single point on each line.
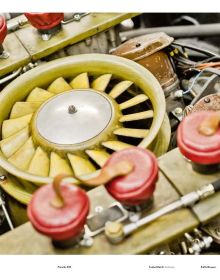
[213, 229]
[47, 24]
[135, 190]
[149, 51]
[3, 33]
[120, 231]
[59, 210]
[208, 103]
[202, 150]
[2, 205]
[201, 30]
[197, 243]
[163, 230]
[134, 115]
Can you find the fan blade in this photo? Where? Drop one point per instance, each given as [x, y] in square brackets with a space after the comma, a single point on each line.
[101, 82]
[99, 157]
[40, 163]
[133, 101]
[39, 95]
[132, 132]
[137, 116]
[22, 158]
[80, 165]
[58, 165]
[11, 144]
[12, 126]
[116, 145]
[80, 81]
[120, 88]
[21, 109]
[59, 85]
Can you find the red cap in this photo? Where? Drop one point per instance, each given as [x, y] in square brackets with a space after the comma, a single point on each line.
[59, 223]
[3, 29]
[139, 185]
[44, 21]
[195, 146]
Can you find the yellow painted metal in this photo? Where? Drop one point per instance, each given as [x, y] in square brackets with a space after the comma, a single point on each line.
[12, 126]
[101, 82]
[134, 101]
[22, 158]
[11, 144]
[80, 81]
[137, 116]
[132, 132]
[81, 166]
[40, 163]
[59, 86]
[24, 108]
[100, 157]
[120, 88]
[18, 55]
[71, 33]
[58, 165]
[116, 145]
[95, 65]
[39, 94]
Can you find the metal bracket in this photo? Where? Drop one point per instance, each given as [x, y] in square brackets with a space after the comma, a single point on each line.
[96, 222]
[75, 17]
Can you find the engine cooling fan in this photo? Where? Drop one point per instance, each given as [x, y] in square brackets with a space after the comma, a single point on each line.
[69, 115]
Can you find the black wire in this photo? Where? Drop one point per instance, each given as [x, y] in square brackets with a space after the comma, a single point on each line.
[209, 53]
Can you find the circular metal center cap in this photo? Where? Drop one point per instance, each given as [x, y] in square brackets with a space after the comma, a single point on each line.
[74, 117]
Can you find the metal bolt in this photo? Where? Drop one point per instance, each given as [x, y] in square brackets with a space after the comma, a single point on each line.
[207, 100]
[72, 109]
[99, 209]
[134, 217]
[178, 111]
[4, 55]
[178, 93]
[45, 37]
[2, 178]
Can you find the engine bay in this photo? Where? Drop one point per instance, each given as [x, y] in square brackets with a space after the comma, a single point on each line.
[126, 106]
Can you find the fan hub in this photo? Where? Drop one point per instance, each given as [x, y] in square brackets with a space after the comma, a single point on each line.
[74, 117]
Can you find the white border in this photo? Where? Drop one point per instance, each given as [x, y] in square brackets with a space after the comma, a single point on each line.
[109, 267]
[110, 6]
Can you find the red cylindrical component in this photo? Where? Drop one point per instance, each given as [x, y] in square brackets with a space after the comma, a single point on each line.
[195, 146]
[3, 29]
[139, 185]
[62, 223]
[44, 21]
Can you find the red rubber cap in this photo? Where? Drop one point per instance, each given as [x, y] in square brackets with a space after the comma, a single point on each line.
[195, 146]
[3, 29]
[59, 223]
[139, 185]
[44, 21]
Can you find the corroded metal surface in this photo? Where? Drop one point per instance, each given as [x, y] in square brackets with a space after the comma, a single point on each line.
[148, 51]
[209, 102]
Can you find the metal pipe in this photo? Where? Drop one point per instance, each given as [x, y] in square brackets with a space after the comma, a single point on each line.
[2, 204]
[11, 76]
[187, 200]
[204, 30]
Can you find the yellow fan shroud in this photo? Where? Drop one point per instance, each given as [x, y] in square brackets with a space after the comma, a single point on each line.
[131, 112]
